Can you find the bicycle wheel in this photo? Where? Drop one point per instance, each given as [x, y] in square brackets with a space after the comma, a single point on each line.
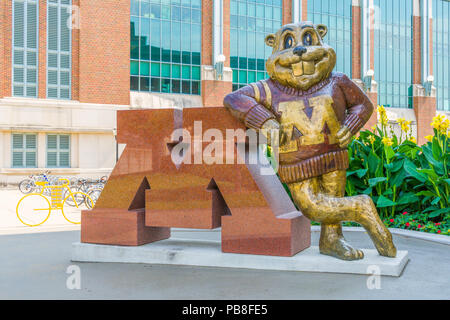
[70, 200]
[33, 210]
[73, 215]
[94, 194]
[26, 186]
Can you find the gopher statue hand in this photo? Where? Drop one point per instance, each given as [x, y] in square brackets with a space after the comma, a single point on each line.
[344, 136]
[270, 128]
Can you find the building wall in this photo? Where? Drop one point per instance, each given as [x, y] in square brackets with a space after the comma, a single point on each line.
[100, 82]
[99, 87]
[104, 54]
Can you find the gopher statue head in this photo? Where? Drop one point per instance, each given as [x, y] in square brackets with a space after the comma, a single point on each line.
[300, 58]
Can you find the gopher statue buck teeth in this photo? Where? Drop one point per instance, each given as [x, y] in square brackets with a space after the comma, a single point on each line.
[317, 112]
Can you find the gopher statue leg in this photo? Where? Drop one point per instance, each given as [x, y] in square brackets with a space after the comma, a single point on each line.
[332, 241]
[321, 199]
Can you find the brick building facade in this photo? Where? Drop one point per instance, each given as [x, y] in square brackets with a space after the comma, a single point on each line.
[67, 66]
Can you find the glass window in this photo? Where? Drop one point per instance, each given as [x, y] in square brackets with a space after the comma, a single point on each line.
[393, 52]
[168, 35]
[59, 49]
[24, 150]
[441, 54]
[337, 16]
[248, 52]
[58, 151]
[25, 48]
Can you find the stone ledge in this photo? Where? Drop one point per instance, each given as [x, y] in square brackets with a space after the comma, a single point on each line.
[205, 253]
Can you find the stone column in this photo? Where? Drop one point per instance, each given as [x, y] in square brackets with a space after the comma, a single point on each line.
[76, 25]
[363, 44]
[41, 157]
[288, 6]
[5, 47]
[215, 41]
[304, 6]
[424, 105]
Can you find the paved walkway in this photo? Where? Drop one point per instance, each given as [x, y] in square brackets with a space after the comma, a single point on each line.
[33, 266]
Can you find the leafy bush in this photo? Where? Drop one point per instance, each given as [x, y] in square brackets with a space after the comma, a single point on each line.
[408, 183]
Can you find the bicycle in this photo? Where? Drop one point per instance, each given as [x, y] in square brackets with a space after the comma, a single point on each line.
[27, 186]
[90, 187]
[31, 216]
[94, 193]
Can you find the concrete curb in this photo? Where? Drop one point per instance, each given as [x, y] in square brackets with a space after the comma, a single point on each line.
[401, 232]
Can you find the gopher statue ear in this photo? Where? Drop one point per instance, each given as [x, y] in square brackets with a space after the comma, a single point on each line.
[322, 29]
[270, 40]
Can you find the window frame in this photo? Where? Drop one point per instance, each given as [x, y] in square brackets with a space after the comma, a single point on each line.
[25, 84]
[24, 150]
[143, 80]
[58, 150]
[251, 66]
[441, 66]
[392, 92]
[59, 53]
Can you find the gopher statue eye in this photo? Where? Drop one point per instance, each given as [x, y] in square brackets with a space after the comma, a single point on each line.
[288, 42]
[307, 39]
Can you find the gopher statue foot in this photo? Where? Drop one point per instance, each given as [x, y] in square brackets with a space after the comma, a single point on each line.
[384, 244]
[333, 243]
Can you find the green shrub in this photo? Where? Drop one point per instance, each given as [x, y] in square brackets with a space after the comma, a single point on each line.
[401, 176]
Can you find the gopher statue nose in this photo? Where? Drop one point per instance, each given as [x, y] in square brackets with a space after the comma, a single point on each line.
[299, 51]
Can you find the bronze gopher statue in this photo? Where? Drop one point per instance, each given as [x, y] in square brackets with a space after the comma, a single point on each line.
[317, 112]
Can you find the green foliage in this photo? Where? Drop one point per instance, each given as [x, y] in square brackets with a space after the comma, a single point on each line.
[401, 176]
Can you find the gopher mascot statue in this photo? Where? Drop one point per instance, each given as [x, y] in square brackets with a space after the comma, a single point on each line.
[317, 112]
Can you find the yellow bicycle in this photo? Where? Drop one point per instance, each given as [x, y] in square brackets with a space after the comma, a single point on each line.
[34, 209]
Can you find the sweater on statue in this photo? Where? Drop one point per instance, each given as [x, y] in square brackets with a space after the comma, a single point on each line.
[308, 119]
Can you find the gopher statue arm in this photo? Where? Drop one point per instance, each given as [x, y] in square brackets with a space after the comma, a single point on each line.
[243, 105]
[359, 110]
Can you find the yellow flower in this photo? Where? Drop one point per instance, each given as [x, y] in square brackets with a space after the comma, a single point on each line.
[413, 139]
[405, 125]
[383, 116]
[371, 139]
[387, 141]
[448, 134]
[429, 138]
[438, 120]
[374, 128]
[400, 120]
[444, 126]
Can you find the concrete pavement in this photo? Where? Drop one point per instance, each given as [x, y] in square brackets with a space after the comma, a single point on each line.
[33, 266]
